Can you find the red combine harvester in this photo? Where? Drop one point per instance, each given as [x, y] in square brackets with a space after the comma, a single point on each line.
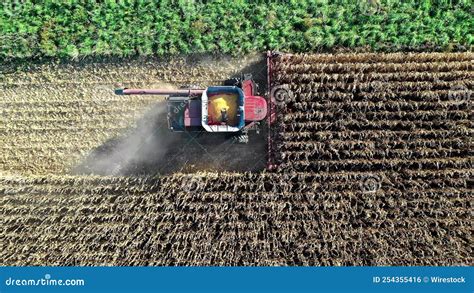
[234, 109]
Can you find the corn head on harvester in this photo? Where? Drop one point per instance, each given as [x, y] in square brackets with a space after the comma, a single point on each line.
[233, 109]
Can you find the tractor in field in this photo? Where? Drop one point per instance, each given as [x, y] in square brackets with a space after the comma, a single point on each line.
[233, 108]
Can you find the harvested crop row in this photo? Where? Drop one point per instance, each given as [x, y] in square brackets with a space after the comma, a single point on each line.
[192, 69]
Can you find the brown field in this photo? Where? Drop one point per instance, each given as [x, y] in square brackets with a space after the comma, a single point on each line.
[374, 155]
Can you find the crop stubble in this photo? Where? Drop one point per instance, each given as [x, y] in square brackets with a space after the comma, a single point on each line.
[53, 115]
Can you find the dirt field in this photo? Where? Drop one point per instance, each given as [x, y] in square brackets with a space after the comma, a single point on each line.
[374, 156]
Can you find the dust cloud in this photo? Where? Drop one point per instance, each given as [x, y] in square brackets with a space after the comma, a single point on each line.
[149, 140]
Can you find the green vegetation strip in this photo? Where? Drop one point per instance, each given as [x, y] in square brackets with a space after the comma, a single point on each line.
[76, 28]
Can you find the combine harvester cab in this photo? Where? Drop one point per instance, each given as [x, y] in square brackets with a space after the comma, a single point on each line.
[214, 109]
[222, 109]
[217, 109]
